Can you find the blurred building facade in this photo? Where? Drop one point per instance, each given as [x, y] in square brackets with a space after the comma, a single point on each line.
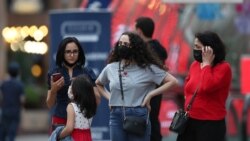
[176, 24]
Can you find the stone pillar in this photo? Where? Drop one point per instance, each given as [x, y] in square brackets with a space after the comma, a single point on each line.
[3, 52]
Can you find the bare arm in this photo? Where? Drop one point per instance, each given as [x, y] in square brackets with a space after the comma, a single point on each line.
[51, 98]
[168, 82]
[51, 94]
[97, 95]
[67, 130]
[102, 90]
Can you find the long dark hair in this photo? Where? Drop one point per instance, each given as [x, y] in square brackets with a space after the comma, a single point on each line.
[61, 48]
[84, 95]
[141, 53]
[209, 38]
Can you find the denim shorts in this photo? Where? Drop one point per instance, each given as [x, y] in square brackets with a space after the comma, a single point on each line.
[116, 121]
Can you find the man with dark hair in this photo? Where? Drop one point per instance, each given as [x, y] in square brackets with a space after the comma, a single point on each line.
[144, 27]
[12, 93]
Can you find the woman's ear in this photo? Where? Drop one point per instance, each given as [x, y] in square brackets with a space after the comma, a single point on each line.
[139, 32]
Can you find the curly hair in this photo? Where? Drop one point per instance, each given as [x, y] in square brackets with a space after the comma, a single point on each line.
[61, 48]
[209, 38]
[142, 54]
[84, 96]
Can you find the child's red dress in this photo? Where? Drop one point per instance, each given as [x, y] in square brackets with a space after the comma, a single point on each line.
[81, 130]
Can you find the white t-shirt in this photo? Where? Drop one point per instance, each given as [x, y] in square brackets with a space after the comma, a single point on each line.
[137, 83]
[81, 122]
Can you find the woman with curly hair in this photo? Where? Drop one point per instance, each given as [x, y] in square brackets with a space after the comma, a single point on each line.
[133, 72]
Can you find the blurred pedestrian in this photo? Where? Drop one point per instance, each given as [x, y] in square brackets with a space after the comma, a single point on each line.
[70, 61]
[132, 63]
[80, 110]
[211, 76]
[144, 27]
[13, 98]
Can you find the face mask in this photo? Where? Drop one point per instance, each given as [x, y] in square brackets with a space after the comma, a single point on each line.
[70, 94]
[197, 55]
[69, 64]
[124, 52]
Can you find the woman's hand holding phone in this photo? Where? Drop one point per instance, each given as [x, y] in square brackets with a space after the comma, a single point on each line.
[57, 81]
[207, 56]
[56, 76]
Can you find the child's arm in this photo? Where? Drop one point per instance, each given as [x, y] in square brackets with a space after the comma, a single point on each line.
[67, 130]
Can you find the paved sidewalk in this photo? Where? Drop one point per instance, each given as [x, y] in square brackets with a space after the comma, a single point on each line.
[44, 137]
[32, 137]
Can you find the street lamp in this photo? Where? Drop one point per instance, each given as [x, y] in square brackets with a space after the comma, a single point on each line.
[17, 36]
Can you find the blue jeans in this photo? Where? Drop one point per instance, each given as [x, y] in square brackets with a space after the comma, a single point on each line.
[9, 127]
[116, 121]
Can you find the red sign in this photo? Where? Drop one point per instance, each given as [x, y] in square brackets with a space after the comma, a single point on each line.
[245, 75]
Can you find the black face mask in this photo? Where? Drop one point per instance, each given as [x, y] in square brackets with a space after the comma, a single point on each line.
[69, 64]
[124, 52]
[197, 55]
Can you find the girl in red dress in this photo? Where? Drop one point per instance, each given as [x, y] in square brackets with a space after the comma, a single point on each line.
[80, 110]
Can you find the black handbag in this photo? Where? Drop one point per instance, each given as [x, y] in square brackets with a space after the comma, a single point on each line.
[132, 124]
[179, 122]
[180, 119]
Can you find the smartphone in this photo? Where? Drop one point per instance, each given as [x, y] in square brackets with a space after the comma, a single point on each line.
[56, 76]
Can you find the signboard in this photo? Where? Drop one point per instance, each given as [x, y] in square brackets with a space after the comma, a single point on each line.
[202, 1]
[245, 75]
[92, 29]
[209, 11]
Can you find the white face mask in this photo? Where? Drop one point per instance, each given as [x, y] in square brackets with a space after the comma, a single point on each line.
[70, 94]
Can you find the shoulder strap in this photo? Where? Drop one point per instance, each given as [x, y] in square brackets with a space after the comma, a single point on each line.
[192, 99]
[120, 79]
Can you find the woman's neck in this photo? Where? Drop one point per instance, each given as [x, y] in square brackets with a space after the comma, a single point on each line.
[126, 63]
[70, 70]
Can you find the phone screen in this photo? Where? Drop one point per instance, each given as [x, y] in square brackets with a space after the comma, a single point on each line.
[56, 76]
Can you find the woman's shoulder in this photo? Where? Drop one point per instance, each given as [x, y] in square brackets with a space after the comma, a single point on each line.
[112, 65]
[87, 70]
[195, 63]
[224, 65]
[155, 68]
[54, 70]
